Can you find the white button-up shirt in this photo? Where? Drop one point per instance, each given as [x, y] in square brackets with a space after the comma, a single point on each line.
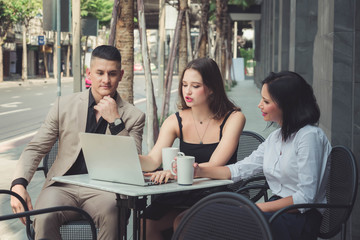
[297, 167]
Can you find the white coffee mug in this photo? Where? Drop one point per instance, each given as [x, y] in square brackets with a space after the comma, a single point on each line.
[169, 154]
[185, 169]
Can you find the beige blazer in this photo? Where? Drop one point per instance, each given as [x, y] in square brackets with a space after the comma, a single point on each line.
[65, 120]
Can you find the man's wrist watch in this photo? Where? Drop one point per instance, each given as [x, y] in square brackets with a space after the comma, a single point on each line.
[117, 122]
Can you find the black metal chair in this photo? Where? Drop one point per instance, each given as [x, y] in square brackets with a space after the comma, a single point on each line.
[248, 142]
[74, 230]
[223, 215]
[92, 233]
[341, 193]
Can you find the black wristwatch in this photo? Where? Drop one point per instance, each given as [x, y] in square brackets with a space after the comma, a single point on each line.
[116, 126]
[117, 122]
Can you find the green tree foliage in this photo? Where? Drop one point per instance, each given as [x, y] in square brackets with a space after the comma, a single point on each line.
[100, 9]
[8, 16]
[247, 54]
[27, 10]
[242, 3]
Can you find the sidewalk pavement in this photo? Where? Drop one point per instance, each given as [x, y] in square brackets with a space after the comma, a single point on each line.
[245, 95]
[32, 81]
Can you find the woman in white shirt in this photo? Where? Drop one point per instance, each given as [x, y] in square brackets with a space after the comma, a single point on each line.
[293, 157]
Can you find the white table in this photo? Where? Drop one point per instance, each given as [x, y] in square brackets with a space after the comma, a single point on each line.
[137, 195]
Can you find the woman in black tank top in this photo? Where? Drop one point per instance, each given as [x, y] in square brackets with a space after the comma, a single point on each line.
[208, 127]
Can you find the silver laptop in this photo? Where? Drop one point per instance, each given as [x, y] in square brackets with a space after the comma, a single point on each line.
[112, 158]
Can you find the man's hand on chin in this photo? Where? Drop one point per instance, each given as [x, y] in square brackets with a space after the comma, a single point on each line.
[108, 109]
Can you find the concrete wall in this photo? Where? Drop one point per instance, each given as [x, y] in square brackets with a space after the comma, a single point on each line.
[336, 79]
[321, 41]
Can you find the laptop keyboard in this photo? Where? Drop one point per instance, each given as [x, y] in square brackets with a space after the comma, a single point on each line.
[149, 182]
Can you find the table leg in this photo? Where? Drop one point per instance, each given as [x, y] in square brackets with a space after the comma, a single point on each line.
[138, 205]
[122, 218]
[144, 226]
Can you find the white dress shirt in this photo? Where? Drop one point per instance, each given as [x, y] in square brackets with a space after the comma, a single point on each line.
[297, 167]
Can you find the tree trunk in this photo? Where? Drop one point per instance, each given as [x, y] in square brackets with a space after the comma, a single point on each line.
[68, 58]
[55, 68]
[211, 43]
[228, 51]
[45, 64]
[161, 53]
[218, 34]
[221, 8]
[24, 55]
[113, 23]
[83, 72]
[76, 46]
[125, 44]
[188, 38]
[183, 39]
[1, 61]
[203, 36]
[170, 68]
[151, 108]
[223, 31]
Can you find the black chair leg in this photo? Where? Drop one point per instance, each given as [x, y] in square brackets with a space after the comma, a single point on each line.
[167, 234]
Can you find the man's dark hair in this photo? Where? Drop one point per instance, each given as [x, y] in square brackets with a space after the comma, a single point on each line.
[295, 98]
[106, 52]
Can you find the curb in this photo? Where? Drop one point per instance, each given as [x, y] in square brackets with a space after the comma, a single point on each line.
[30, 82]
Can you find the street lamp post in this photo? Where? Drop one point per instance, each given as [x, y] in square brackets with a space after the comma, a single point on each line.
[58, 46]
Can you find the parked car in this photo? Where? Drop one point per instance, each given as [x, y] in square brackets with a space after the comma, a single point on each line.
[138, 67]
[87, 83]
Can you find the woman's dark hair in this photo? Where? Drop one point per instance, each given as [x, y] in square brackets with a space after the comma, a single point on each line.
[106, 52]
[218, 101]
[296, 99]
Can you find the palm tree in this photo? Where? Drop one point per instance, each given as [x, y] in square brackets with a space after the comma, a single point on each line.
[203, 36]
[183, 52]
[151, 108]
[170, 67]
[125, 43]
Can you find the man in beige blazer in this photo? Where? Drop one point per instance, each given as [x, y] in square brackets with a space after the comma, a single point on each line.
[98, 110]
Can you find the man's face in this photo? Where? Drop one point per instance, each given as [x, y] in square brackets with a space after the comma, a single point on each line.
[105, 76]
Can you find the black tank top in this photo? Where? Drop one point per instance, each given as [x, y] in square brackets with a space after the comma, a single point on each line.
[202, 152]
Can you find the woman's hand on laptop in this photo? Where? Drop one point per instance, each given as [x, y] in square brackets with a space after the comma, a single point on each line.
[160, 177]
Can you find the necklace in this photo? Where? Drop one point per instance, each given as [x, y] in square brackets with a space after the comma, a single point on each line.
[201, 138]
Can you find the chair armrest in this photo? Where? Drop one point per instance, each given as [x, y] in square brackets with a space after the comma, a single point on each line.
[41, 168]
[253, 184]
[22, 201]
[306, 205]
[28, 213]
[253, 179]
[244, 182]
[262, 192]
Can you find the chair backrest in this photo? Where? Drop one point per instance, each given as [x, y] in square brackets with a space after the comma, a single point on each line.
[223, 215]
[76, 229]
[341, 189]
[248, 142]
[50, 158]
